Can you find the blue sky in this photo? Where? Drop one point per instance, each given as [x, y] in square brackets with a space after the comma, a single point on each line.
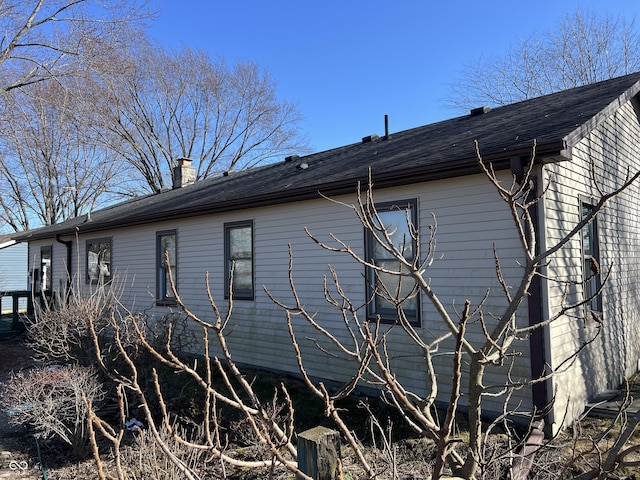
[348, 63]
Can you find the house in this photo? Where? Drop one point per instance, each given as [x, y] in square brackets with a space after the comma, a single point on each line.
[13, 269]
[13, 264]
[587, 139]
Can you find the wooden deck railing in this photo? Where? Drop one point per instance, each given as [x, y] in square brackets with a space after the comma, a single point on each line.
[16, 296]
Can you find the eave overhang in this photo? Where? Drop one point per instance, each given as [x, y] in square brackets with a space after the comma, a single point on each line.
[543, 153]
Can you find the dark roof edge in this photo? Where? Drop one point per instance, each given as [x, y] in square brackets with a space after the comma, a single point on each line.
[585, 128]
[544, 153]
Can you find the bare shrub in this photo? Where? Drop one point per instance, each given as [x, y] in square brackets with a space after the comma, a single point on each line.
[144, 458]
[266, 426]
[50, 400]
[60, 332]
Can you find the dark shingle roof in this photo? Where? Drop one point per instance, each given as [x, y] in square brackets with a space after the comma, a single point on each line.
[439, 150]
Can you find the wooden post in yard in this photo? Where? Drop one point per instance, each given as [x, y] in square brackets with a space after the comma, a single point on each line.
[16, 311]
[524, 461]
[319, 453]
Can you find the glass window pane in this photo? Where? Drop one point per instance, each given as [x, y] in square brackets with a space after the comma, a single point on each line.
[590, 252]
[104, 259]
[395, 222]
[45, 268]
[383, 304]
[587, 232]
[168, 246]
[167, 285]
[409, 306]
[239, 252]
[92, 265]
[99, 260]
[240, 242]
[396, 285]
[242, 275]
[586, 241]
[395, 218]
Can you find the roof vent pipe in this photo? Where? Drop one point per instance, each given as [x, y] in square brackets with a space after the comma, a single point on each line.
[386, 127]
[479, 111]
[370, 138]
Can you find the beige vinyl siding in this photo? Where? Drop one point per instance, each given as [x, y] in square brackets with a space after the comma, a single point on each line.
[614, 146]
[470, 219]
[466, 271]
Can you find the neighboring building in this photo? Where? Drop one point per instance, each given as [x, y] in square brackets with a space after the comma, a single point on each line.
[252, 216]
[13, 268]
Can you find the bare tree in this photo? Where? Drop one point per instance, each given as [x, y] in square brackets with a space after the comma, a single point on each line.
[492, 345]
[583, 48]
[44, 39]
[50, 169]
[166, 105]
[218, 379]
[135, 104]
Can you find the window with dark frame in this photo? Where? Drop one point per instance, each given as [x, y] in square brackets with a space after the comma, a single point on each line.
[166, 249]
[98, 260]
[591, 260]
[45, 269]
[238, 250]
[394, 217]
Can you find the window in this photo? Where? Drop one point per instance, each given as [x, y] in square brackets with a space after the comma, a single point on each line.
[99, 260]
[591, 260]
[238, 249]
[166, 249]
[394, 217]
[45, 268]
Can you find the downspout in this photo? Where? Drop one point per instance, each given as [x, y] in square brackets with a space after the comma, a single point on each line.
[538, 340]
[68, 244]
[540, 347]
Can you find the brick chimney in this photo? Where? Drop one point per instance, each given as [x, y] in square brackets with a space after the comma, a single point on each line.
[184, 173]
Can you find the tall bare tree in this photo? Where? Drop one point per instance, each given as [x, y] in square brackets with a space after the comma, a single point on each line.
[584, 47]
[44, 39]
[167, 105]
[50, 170]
